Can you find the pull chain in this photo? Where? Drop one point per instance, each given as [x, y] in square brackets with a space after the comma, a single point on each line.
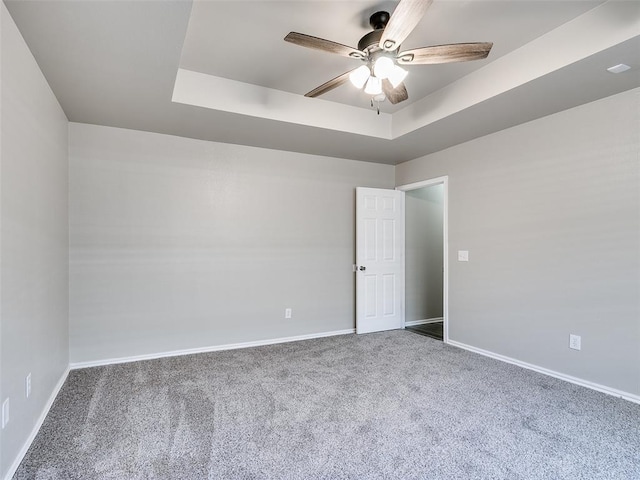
[377, 99]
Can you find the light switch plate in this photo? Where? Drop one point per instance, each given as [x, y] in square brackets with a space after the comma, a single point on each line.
[463, 255]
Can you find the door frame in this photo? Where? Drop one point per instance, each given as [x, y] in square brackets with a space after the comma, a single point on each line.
[444, 181]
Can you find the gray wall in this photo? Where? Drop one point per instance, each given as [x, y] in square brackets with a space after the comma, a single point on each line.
[424, 253]
[33, 239]
[550, 212]
[178, 243]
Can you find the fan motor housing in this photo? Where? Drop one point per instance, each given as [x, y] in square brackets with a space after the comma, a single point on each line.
[371, 39]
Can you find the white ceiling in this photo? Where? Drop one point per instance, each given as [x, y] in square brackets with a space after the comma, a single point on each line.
[116, 63]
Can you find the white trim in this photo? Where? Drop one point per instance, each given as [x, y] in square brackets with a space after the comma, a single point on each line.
[412, 323]
[36, 428]
[422, 183]
[212, 348]
[403, 296]
[552, 373]
[445, 248]
[444, 180]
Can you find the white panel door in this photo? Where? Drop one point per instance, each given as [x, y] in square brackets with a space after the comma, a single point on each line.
[380, 259]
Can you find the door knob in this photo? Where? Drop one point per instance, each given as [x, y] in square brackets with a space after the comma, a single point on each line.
[362, 269]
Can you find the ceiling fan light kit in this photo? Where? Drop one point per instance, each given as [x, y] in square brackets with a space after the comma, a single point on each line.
[381, 76]
[373, 86]
[383, 67]
[397, 75]
[359, 76]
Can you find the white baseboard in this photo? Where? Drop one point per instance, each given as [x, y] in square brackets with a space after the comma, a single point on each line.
[214, 348]
[36, 428]
[411, 323]
[552, 373]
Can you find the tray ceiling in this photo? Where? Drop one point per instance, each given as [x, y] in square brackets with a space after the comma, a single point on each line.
[220, 70]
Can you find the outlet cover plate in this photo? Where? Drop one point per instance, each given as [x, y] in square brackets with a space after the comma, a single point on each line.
[575, 342]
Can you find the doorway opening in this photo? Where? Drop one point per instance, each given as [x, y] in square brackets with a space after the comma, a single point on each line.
[426, 258]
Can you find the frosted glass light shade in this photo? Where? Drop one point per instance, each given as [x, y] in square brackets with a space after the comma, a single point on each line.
[360, 76]
[383, 67]
[397, 75]
[374, 86]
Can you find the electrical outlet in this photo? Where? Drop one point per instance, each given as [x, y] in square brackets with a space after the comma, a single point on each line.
[287, 313]
[574, 341]
[463, 255]
[5, 413]
[27, 385]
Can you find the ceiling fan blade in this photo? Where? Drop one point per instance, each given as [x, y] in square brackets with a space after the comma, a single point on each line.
[394, 95]
[402, 22]
[456, 52]
[330, 85]
[324, 45]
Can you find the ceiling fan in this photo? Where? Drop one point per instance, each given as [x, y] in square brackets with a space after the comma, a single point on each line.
[381, 74]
